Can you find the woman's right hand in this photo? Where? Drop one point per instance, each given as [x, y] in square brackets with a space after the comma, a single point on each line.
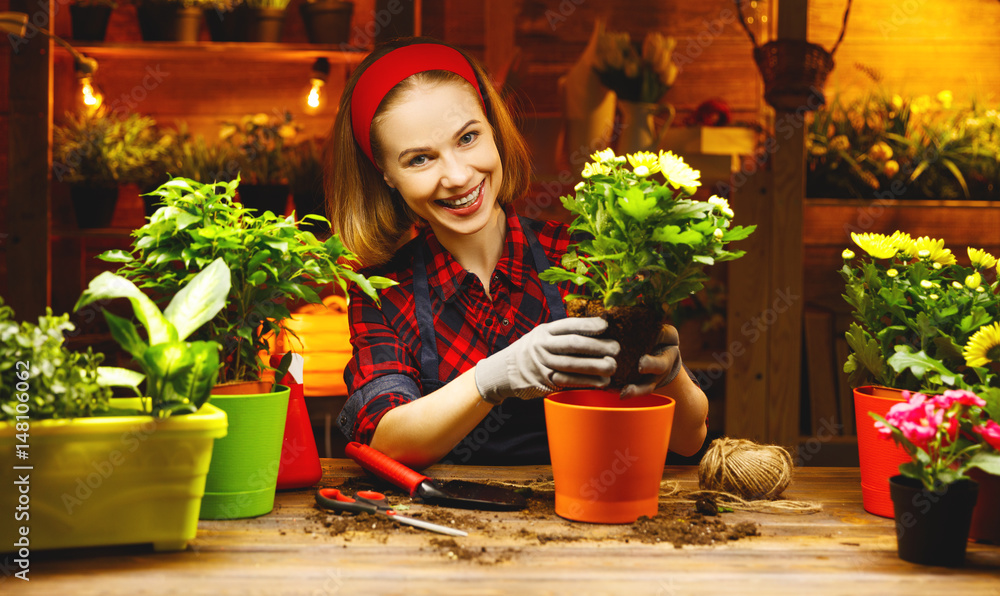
[553, 355]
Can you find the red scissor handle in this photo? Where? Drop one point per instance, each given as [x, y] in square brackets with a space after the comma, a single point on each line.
[366, 501]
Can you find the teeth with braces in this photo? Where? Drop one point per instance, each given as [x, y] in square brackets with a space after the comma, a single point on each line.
[467, 200]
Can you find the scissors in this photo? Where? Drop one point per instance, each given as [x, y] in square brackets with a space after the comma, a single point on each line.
[368, 501]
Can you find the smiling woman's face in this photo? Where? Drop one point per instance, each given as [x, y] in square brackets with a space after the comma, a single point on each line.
[438, 151]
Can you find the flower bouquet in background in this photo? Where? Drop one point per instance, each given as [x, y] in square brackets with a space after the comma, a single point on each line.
[639, 76]
[636, 73]
[256, 148]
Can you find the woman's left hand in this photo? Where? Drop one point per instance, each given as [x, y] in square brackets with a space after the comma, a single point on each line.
[659, 368]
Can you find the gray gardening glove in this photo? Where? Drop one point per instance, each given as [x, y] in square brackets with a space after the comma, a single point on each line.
[551, 356]
[659, 368]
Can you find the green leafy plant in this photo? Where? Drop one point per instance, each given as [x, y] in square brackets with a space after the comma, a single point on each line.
[923, 322]
[179, 375]
[255, 146]
[272, 262]
[643, 242]
[104, 149]
[634, 73]
[54, 381]
[280, 4]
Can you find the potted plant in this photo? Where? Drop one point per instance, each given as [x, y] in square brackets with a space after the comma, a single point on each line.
[109, 470]
[274, 264]
[921, 320]
[327, 21]
[95, 153]
[305, 174]
[933, 496]
[171, 20]
[222, 17]
[89, 18]
[262, 20]
[255, 147]
[642, 246]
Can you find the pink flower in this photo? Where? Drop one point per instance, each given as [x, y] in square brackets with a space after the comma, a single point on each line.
[959, 396]
[990, 433]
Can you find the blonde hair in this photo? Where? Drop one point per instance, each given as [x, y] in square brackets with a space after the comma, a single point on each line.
[370, 217]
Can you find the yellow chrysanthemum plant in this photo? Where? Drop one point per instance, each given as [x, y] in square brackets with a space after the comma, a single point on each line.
[640, 240]
[641, 245]
[923, 321]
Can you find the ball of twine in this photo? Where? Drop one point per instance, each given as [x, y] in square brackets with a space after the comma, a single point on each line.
[746, 469]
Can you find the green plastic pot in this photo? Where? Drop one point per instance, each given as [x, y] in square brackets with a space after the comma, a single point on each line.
[243, 475]
[108, 480]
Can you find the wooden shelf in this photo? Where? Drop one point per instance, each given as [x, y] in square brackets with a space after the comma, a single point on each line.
[92, 233]
[242, 50]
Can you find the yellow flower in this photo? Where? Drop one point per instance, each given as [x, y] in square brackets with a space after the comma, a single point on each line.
[227, 131]
[678, 173]
[880, 151]
[840, 142]
[903, 244]
[936, 251]
[848, 254]
[879, 246]
[718, 233]
[945, 98]
[644, 163]
[891, 168]
[981, 259]
[983, 346]
[260, 119]
[926, 284]
[956, 285]
[287, 131]
[592, 169]
[920, 104]
[934, 296]
[973, 281]
[892, 273]
[897, 101]
[604, 156]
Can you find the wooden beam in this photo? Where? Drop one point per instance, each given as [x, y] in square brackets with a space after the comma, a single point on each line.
[30, 166]
[498, 25]
[785, 335]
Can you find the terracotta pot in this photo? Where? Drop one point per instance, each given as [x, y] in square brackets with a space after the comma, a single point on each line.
[879, 459]
[932, 527]
[986, 515]
[607, 454]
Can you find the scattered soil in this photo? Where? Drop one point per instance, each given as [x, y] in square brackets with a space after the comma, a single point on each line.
[635, 328]
[677, 523]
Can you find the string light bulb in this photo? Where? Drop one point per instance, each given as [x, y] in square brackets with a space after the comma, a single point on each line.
[90, 97]
[316, 95]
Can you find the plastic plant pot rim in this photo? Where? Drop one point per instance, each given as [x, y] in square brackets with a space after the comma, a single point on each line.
[553, 398]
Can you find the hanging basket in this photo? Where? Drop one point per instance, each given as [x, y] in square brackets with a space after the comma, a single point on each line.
[794, 71]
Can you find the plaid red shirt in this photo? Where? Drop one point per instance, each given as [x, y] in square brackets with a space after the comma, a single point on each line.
[469, 325]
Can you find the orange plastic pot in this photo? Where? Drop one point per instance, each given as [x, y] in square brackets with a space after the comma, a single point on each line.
[879, 458]
[607, 454]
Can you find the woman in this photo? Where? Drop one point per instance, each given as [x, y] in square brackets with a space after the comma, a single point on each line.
[452, 357]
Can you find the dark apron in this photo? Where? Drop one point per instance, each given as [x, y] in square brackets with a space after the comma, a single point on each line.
[513, 433]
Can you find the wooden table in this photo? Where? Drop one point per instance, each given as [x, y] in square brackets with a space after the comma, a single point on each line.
[296, 550]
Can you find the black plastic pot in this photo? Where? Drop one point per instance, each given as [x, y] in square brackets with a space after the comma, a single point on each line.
[90, 23]
[263, 24]
[327, 21]
[94, 206]
[310, 202]
[932, 527]
[224, 25]
[264, 197]
[168, 21]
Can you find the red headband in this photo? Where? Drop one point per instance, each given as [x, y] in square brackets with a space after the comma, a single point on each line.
[391, 69]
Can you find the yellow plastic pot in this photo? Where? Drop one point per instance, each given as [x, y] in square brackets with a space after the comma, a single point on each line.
[108, 480]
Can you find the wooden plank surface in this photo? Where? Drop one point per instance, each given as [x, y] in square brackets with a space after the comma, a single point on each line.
[839, 550]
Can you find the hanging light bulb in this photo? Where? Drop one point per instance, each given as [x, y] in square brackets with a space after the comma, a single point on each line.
[315, 100]
[91, 98]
